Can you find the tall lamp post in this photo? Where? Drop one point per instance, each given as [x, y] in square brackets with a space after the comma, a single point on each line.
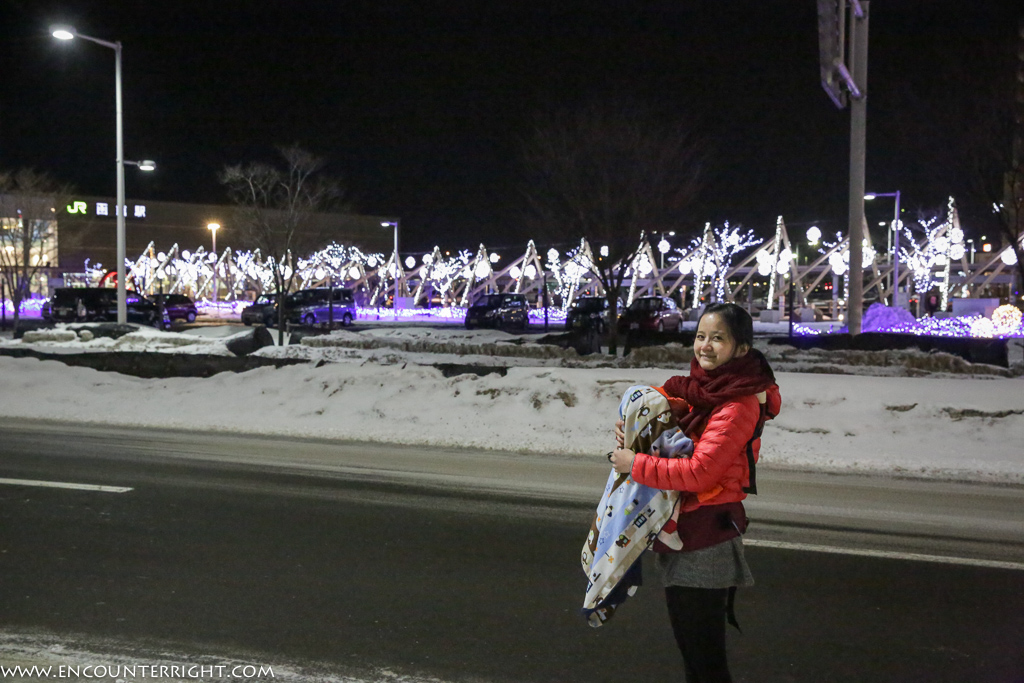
[65, 32]
[394, 224]
[214, 227]
[895, 243]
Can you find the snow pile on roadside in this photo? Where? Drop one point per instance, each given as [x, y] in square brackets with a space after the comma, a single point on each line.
[81, 339]
[435, 341]
[961, 428]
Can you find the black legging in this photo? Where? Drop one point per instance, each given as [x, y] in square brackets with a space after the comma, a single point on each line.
[698, 622]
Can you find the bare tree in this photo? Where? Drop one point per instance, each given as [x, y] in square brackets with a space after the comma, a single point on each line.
[28, 230]
[607, 173]
[278, 211]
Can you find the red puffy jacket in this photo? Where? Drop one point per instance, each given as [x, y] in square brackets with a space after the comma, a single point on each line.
[717, 471]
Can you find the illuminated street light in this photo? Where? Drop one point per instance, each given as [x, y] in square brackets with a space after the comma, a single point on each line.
[894, 234]
[214, 227]
[394, 224]
[65, 32]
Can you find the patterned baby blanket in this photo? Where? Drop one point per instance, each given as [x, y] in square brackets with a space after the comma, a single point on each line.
[630, 515]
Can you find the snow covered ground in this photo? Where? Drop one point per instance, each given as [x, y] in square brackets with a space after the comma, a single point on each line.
[383, 384]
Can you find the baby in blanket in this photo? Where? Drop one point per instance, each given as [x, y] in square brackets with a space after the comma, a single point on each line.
[630, 516]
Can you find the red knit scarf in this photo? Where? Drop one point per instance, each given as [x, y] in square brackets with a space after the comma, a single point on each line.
[705, 390]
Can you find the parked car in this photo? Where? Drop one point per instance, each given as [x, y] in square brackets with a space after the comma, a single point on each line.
[313, 306]
[653, 313]
[502, 311]
[177, 306]
[263, 311]
[589, 313]
[99, 304]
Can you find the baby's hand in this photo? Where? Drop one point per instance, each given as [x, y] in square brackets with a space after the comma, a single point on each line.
[620, 436]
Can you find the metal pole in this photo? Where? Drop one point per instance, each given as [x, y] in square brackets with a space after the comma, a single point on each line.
[896, 257]
[394, 307]
[122, 307]
[214, 294]
[858, 126]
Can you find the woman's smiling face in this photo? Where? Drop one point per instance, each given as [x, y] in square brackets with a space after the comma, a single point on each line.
[714, 344]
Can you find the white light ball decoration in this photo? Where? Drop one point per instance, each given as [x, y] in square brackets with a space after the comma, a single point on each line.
[466, 272]
[764, 268]
[941, 260]
[410, 262]
[1008, 257]
[604, 251]
[424, 271]
[837, 263]
[161, 257]
[371, 262]
[813, 234]
[494, 258]
[353, 273]
[483, 269]
[710, 269]
[867, 256]
[785, 256]
[515, 272]
[319, 274]
[685, 267]
[391, 269]
[957, 251]
[1006, 319]
[664, 246]
[186, 254]
[783, 267]
[428, 259]
[530, 271]
[644, 268]
[983, 327]
[941, 244]
[956, 235]
[552, 254]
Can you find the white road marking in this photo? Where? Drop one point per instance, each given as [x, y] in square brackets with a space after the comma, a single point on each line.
[887, 554]
[65, 485]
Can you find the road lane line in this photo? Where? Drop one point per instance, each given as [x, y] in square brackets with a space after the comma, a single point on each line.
[65, 485]
[886, 554]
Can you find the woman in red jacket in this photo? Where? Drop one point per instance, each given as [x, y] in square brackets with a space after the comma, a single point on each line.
[722, 406]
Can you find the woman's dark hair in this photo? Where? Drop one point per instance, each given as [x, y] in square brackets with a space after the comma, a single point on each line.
[739, 322]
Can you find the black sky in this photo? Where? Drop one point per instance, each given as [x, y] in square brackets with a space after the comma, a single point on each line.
[421, 106]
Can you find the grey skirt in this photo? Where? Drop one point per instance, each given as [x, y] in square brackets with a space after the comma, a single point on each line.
[719, 566]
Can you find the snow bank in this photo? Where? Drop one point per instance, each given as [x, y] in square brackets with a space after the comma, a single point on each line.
[964, 428]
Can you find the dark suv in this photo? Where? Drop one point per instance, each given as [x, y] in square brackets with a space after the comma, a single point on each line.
[313, 306]
[502, 311]
[589, 313]
[99, 304]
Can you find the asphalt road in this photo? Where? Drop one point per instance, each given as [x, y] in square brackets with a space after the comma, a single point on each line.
[464, 566]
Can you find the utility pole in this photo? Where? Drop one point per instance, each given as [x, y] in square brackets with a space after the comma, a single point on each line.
[844, 76]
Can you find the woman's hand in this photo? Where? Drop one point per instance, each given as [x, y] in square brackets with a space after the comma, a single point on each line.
[620, 436]
[622, 460]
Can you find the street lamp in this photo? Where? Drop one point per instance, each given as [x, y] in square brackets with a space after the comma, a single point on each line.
[394, 224]
[896, 244]
[65, 32]
[214, 227]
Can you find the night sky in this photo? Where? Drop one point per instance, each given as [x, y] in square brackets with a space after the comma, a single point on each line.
[422, 107]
